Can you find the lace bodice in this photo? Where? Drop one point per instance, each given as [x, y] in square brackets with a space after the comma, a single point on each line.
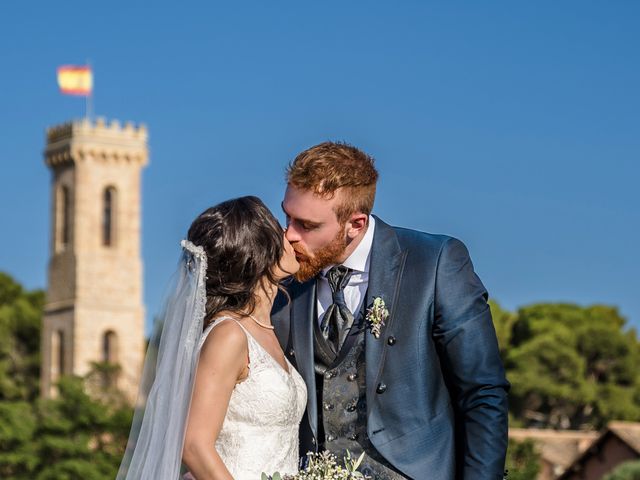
[260, 430]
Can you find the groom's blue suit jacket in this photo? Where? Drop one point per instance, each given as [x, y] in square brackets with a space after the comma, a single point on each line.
[436, 388]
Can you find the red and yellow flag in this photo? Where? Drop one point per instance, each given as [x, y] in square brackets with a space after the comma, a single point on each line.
[75, 80]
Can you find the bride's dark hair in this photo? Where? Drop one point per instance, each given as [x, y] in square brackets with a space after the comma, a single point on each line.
[244, 243]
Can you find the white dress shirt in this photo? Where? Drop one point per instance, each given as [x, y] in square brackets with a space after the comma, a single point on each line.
[354, 293]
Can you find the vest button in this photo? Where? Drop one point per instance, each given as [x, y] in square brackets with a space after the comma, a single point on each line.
[292, 353]
[351, 407]
[353, 436]
[330, 438]
[352, 377]
[328, 406]
[329, 375]
[381, 388]
[391, 340]
[313, 441]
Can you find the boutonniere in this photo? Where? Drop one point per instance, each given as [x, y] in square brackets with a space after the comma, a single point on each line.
[376, 315]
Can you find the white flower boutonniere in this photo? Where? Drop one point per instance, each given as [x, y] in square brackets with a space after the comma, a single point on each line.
[376, 316]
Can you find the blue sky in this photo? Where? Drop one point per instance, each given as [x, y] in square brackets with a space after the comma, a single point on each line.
[511, 125]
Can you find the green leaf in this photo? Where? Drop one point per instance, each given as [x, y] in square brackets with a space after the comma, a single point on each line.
[356, 465]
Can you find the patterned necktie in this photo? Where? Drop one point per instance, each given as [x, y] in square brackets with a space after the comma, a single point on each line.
[338, 318]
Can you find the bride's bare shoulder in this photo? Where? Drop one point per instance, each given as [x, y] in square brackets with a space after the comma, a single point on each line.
[225, 338]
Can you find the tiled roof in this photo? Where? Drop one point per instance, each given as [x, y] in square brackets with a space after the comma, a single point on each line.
[558, 447]
[628, 432]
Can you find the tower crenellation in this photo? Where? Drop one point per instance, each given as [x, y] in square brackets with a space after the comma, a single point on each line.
[83, 139]
[94, 310]
[98, 127]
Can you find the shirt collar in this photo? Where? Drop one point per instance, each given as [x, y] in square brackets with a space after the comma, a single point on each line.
[360, 258]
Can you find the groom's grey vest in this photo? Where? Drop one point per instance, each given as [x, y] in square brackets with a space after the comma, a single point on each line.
[342, 404]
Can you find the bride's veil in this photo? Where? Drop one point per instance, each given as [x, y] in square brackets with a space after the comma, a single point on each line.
[154, 449]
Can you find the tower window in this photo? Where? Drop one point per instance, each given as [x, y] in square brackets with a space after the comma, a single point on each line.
[109, 217]
[57, 354]
[63, 221]
[110, 368]
[110, 347]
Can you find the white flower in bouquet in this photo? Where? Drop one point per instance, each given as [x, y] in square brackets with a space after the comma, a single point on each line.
[324, 466]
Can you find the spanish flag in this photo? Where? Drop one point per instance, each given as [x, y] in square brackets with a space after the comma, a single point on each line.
[75, 80]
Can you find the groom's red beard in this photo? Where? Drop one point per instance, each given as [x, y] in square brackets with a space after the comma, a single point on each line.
[312, 265]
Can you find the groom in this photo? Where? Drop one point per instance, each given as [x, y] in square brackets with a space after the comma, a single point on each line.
[417, 383]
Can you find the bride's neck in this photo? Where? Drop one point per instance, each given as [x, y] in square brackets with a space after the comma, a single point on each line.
[265, 294]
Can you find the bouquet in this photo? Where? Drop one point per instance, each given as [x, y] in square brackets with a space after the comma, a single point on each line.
[324, 466]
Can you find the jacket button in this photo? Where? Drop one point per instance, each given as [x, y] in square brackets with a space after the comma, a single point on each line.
[353, 436]
[292, 353]
[330, 438]
[381, 388]
[352, 377]
[328, 406]
[313, 441]
[329, 375]
[351, 407]
[391, 340]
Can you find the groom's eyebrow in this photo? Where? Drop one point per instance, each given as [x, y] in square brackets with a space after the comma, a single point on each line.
[285, 210]
[303, 220]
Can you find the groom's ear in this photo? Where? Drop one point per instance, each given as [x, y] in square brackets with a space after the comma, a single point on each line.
[357, 225]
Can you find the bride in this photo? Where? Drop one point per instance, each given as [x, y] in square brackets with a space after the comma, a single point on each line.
[218, 394]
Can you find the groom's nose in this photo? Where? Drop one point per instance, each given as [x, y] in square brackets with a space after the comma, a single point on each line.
[291, 234]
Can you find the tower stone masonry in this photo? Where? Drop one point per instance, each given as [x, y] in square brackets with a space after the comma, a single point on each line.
[94, 310]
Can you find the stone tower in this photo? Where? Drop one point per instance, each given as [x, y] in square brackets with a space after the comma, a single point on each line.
[94, 310]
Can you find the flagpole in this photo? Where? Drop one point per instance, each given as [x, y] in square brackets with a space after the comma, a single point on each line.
[89, 98]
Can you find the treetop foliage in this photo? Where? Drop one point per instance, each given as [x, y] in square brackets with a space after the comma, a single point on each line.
[569, 366]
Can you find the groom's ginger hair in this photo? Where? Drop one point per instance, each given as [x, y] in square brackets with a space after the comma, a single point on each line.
[330, 167]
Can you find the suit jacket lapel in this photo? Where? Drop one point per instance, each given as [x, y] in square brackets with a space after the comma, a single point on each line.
[302, 318]
[387, 263]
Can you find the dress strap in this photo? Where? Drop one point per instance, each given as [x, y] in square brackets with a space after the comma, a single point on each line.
[217, 322]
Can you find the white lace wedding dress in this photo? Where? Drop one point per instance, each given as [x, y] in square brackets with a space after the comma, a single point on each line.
[260, 431]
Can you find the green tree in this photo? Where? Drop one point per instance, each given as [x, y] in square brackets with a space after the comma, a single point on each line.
[73, 436]
[20, 318]
[625, 471]
[18, 452]
[503, 321]
[571, 366]
[79, 437]
[523, 460]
